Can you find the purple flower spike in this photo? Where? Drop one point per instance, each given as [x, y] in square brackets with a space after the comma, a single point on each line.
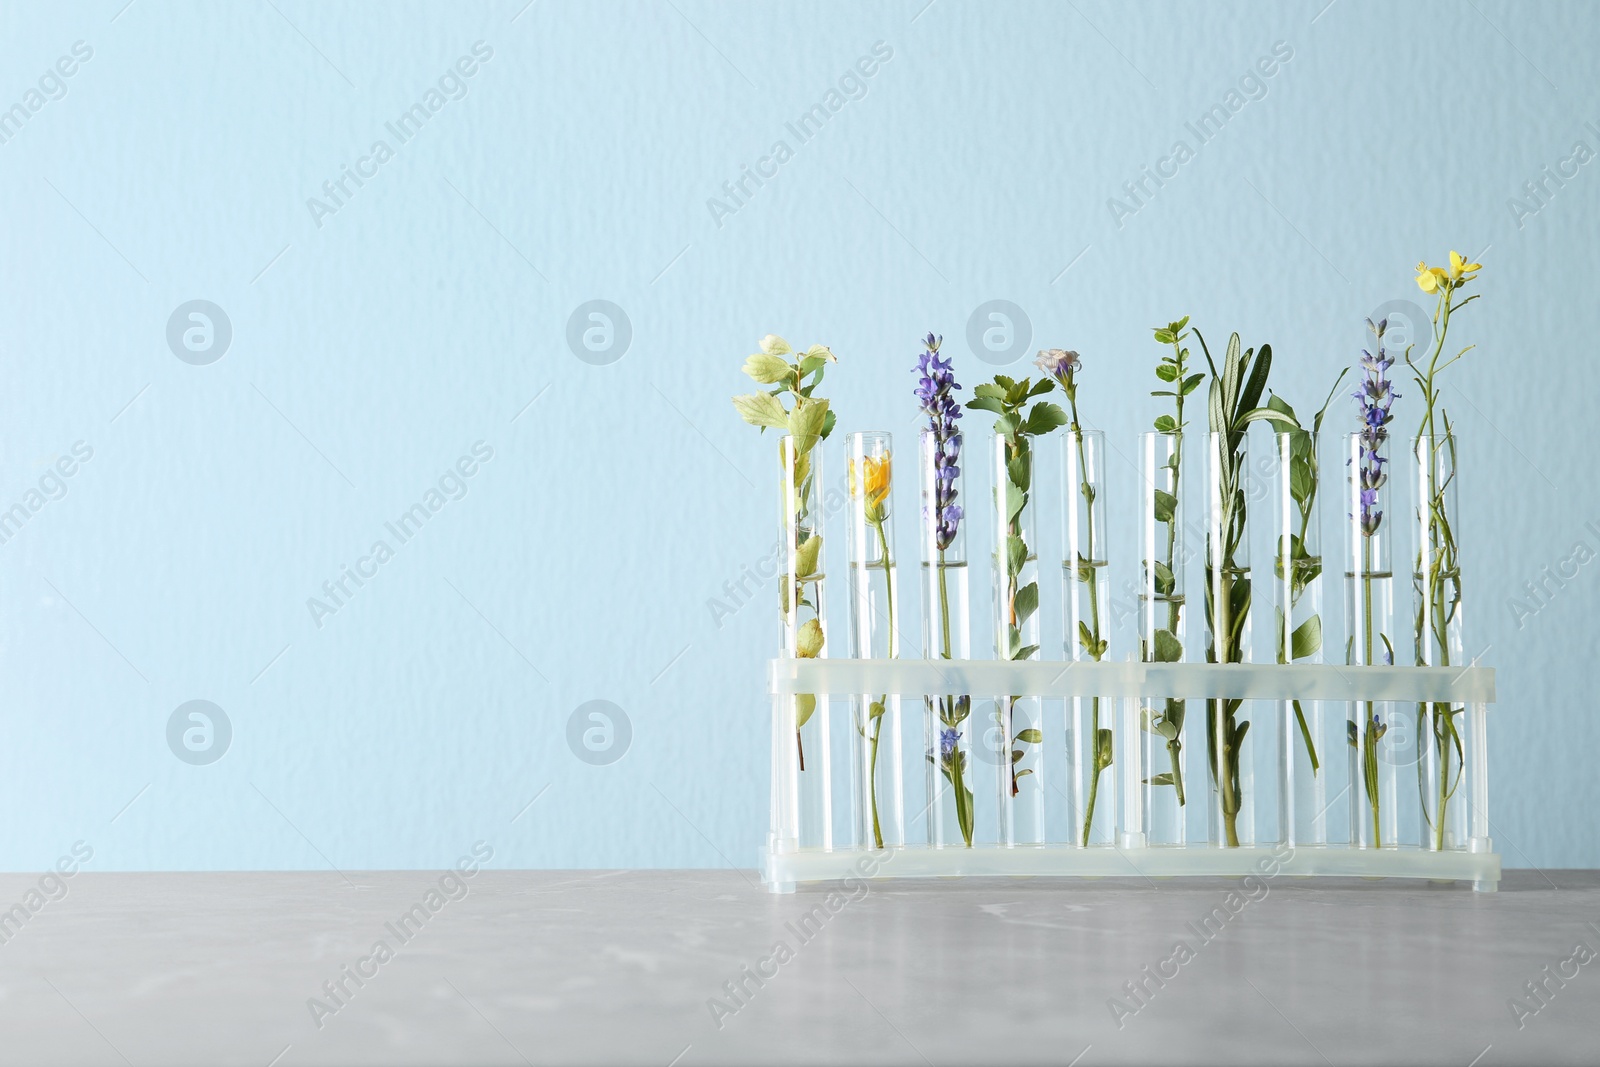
[947, 742]
[1376, 397]
[936, 388]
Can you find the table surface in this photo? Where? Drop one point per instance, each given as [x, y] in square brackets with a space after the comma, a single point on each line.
[525, 967]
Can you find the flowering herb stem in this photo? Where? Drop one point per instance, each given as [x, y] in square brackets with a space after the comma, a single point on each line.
[1376, 397]
[1438, 577]
[1064, 367]
[936, 389]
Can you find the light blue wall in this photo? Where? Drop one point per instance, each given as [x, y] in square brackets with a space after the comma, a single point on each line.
[373, 346]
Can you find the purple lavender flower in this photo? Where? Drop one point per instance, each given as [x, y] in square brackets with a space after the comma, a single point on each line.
[936, 388]
[1376, 397]
[947, 742]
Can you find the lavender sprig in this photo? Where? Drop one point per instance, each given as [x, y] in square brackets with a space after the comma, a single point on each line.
[1376, 396]
[937, 391]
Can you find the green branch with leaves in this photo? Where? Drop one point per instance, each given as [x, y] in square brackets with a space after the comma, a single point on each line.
[808, 419]
[1233, 403]
[1017, 424]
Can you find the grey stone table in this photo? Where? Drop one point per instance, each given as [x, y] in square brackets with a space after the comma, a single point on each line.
[697, 967]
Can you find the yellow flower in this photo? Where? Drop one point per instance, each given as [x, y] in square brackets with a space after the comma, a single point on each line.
[876, 479]
[1460, 269]
[1430, 278]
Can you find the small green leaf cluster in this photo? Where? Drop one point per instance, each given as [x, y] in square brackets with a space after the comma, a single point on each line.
[809, 420]
[1174, 370]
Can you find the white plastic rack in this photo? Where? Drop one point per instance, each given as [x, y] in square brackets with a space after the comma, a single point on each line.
[785, 863]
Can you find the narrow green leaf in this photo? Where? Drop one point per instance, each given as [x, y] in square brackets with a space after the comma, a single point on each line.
[1030, 737]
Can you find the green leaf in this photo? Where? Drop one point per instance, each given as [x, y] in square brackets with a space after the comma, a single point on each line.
[1030, 737]
[1045, 417]
[827, 423]
[1301, 483]
[761, 409]
[1168, 649]
[1307, 638]
[1166, 506]
[773, 345]
[1086, 639]
[1167, 371]
[1104, 748]
[1238, 739]
[807, 418]
[1165, 584]
[1025, 651]
[1316, 423]
[1004, 382]
[1006, 425]
[1016, 497]
[1016, 555]
[1277, 418]
[805, 705]
[1166, 423]
[812, 364]
[986, 403]
[806, 556]
[1352, 733]
[809, 640]
[1232, 371]
[1043, 386]
[1250, 398]
[1164, 778]
[822, 352]
[1191, 383]
[1017, 472]
[1278, 403]
[1026, 602]
[767, 369]
[989, 391]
